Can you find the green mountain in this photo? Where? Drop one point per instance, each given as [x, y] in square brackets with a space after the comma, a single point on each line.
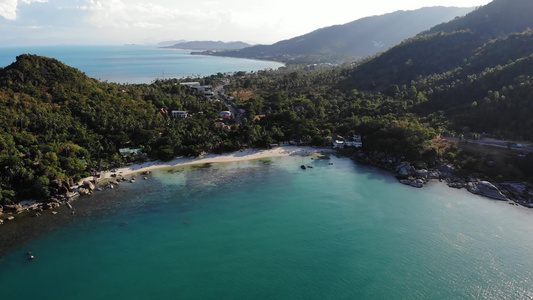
[360, 38]
[447, 46]
[477, 69]
[209, 45]
[57, 124]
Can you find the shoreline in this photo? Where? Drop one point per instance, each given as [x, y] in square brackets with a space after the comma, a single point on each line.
[243, 155]
[26, 226]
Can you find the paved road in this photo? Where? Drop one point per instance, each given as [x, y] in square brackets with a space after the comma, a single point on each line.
[496, 143]
[220, 93]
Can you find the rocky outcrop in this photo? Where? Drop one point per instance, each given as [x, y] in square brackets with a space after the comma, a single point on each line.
[521, 193]
[417, 174]
[13, 208]
[87, 188]
[487, 189]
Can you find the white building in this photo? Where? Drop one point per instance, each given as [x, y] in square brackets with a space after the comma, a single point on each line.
[357, 142]
[339, 144]
[179, 114]
[191, 84]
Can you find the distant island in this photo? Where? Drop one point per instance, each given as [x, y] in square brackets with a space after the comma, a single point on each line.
[209, 45]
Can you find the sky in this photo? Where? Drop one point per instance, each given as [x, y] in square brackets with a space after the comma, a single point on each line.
[84, 22]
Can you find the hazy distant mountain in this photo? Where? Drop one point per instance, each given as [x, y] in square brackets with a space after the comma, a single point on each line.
[170, 43]
[360, 38]
[210, 45]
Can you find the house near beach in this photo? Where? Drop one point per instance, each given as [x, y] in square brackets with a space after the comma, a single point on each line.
[129, 151]
[340, 143]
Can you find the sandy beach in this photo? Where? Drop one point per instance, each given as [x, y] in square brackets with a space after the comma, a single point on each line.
[249, 154]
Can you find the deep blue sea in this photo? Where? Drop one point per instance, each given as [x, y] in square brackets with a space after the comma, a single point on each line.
[266, 229]
[135, 63]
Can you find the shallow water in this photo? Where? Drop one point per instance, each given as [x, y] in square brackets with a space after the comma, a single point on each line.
[266, 229]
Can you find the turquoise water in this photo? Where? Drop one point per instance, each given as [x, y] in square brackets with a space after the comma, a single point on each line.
[268, 230]
[136, 64]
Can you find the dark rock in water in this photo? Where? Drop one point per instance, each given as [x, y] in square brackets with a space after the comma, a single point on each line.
[406, 181]
[309, 167]
[456, 185]
[419, 183]
[303, 167]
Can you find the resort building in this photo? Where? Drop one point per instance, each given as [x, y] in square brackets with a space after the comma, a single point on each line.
[179, 114]
[340, 143]
[129, 152]
[191, 84]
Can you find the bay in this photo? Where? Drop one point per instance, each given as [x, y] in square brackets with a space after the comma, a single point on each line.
[266, 229]
[136, 63]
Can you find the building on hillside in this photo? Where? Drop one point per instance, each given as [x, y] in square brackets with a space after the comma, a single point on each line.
[129, 152]
[357, 141]
[339, 144]
[179, 114]
[225, 114]
[191, 84]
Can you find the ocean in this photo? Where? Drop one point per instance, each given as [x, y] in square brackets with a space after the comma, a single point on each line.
[266, 229]
[136, 63]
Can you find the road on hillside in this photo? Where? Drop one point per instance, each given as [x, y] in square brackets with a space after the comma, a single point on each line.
[496, 143]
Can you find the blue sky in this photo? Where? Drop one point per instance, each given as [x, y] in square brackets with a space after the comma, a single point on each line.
[49, 22]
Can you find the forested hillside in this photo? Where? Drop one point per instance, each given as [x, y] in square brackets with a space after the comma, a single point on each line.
[476, 69]
[57, 124]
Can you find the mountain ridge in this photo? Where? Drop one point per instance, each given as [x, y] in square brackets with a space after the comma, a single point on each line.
[356, 39]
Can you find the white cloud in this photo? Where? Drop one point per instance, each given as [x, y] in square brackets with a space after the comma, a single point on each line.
[8, 8]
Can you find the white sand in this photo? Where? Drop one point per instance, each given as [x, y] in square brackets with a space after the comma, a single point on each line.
[216, 158]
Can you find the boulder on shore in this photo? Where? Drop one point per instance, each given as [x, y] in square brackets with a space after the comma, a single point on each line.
[487, 189]
[88, 185]
[84, 191]
[15, 208]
